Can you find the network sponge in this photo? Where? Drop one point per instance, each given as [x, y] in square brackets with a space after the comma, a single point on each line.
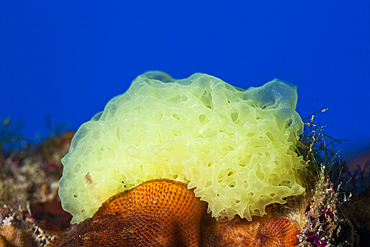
[235, 147]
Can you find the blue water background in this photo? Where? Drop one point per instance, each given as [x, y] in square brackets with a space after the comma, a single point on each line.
[66, 59]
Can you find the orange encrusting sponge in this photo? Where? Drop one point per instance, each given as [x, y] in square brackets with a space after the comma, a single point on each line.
[155, 213]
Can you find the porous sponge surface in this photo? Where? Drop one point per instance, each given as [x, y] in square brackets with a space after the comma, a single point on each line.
[235, 147]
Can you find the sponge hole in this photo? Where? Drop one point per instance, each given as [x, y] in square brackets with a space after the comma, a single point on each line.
[246, 184]
[227, 149]
[288, 123]
[208, 183]
[244, 161]
[178, 99]
[231, 173]
[256, 212]
[270, 136]
[234, 116]
[206, 98]
[203, 119]
[232, 184]
[157, 115]
[175, 133]
[175, 116]
[77, 167]
[286, 183]
[226, 173]
[178, 117]
[175, 99]
[259, 173]
[273, 180]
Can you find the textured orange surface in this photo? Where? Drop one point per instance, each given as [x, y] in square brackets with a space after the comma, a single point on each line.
[166, 213]
[155, 213]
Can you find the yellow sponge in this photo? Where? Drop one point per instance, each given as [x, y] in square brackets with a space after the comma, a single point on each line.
[234, 146]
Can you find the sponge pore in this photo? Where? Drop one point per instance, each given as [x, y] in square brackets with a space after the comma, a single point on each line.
[235, 147]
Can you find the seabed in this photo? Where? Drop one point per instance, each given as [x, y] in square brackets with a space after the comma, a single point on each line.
[334, 210]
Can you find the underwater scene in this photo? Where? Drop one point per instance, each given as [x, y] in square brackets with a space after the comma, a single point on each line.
[191, 123]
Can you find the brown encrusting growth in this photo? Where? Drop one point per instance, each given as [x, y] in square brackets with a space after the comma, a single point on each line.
[261, 232]
[155, 213]
[50, 215]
